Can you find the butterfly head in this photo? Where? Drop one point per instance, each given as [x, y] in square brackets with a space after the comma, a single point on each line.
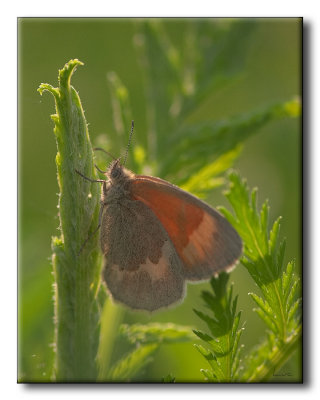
[117, 173]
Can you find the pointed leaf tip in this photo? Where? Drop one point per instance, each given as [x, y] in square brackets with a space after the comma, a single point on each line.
[47, 87]
[66, 72]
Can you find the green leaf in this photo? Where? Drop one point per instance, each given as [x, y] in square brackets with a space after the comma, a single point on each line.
[157, 333]
[209, 375]
[129, 366]
[222, 350]
[287, 280]
[279, 305]
[268, 357]
[208, 177]
[169, 379]
[202, 143]
[274, 236]
[176, 82]
[147, 338]
[265, 307]
[292, 309]
[203, 336]
[215, 51]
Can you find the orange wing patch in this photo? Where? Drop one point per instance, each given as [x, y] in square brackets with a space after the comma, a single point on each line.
[198, 249]
[204, 240]
[175, 215]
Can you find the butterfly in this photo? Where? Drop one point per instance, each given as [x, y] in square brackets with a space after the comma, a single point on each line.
[156, 236]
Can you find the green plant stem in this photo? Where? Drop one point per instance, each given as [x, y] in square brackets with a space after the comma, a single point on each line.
[77, 276]
[111, 318]
[280, 355]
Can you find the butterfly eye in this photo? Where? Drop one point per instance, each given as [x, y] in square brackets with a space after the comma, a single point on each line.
[115, 173]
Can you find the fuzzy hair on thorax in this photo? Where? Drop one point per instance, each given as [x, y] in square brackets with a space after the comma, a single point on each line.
[118, 183]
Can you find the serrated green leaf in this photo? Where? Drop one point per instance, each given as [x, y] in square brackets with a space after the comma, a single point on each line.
[280, 255]
[269, 356]
[205, 352]
[265, 307]
[234, 303]
[267, 320]
[293, 294]
[129, 366]
[157, 333]
[209, 375]
[169, 379]
[204, 336]
[212, 324]
[293, 309]
[264, 214]
[219, 285]
[236, 347]
[207, 178]
[254, 193]
[287, 280]
[224, 343]
[235, 325]
[263, 258]
[209, 299]
[228, 215]
[200, 144]
[274, 236]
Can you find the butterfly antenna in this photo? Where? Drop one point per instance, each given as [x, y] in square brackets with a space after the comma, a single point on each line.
[105, 151]
[129, 142]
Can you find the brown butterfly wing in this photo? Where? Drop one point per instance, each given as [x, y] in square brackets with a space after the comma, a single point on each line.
[204, 240]
[142, 268]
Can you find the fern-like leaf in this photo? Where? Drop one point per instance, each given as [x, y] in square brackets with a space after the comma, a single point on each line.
[279, 303]
[146, 338]
[131, 364]
[157, 333]
[222, 349]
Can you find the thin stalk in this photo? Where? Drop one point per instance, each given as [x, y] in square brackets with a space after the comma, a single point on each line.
[111, 318]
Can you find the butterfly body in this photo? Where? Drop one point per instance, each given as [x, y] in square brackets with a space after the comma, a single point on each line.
[155, 236]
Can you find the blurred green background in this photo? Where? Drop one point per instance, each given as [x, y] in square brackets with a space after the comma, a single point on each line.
[271, 160]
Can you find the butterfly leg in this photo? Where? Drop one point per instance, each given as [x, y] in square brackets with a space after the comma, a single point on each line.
[100, 170]
[89, 179]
